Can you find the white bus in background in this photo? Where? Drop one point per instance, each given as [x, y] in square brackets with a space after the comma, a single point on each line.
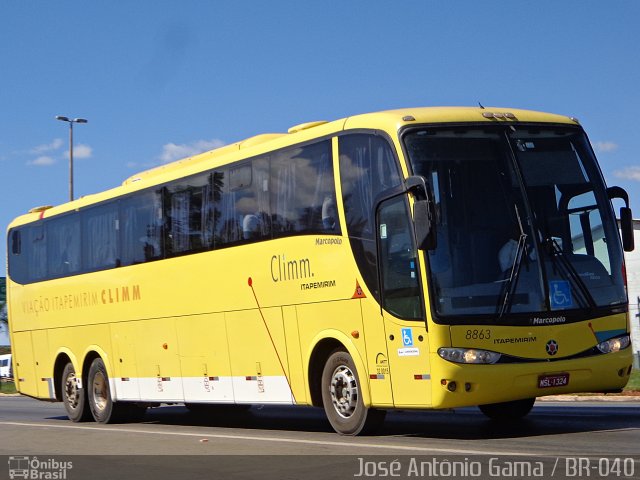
[5, 366]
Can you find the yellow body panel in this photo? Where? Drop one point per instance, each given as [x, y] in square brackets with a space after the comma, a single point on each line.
[501, 383]
[241, 324]
[530, 341]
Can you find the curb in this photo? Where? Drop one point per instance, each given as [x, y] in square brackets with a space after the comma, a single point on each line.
[590, 398]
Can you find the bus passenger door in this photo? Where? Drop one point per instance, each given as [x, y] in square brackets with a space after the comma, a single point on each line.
[402, 306]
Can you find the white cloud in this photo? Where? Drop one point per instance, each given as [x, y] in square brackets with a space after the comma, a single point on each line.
[42, 161]
[628, 173]
[80, 151]
[48, 152]
[604, 147]
[47, 147]
[172, 151]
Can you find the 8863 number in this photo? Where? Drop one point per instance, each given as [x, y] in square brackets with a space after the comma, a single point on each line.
[478, 334]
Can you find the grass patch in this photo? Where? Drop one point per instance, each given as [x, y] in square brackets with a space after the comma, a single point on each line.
[7, 387]
[634, 381]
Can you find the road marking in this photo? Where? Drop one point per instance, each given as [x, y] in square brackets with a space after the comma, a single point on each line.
[331, 443]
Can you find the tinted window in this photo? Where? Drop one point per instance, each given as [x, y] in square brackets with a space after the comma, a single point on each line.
[398, 260]
[290, 192]
[141, 219]
[303, 191]
[188, 204]
[63, 245]
[35, 251]
[100, 237]
[242, 203]
[367, 168]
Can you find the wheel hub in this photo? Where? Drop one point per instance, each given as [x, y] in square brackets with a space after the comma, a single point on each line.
[100, 395]
[344, 391]
[71, 391]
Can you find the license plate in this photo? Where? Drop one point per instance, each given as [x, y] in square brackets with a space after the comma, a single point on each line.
[556, 380]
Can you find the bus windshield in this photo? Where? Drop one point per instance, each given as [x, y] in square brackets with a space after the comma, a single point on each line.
[523, 222]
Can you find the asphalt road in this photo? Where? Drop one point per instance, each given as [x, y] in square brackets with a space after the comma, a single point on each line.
[569, 430]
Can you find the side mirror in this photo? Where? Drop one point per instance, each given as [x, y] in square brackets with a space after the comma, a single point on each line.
[424, 226]
[626, 227]
[626, 218]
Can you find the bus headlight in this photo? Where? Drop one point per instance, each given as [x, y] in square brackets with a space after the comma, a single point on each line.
[468, 355]
[615, 344]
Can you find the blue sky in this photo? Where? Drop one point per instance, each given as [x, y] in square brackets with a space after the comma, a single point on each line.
[159, 80]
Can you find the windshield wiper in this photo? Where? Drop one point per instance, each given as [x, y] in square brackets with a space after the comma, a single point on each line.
[555, 252]
[514, 274]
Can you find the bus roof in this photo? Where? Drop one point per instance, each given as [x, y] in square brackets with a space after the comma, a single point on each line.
[390, 121]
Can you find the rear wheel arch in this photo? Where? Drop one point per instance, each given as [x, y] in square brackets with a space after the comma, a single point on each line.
[90, 355]
[101, 402]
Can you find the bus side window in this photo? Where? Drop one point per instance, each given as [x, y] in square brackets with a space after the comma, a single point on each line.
[398, 260]
[36, 253]
[243, 206]
[302, 191]
[16, 244]
[367, 167]
[100, 237]
[226, 227]
[17, 262]
[141, 230]
[63, 245]
[187, 204]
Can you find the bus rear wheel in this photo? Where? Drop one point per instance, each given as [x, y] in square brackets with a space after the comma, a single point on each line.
[507, 411]
[74, 397]
[103, 408]
[342, 398]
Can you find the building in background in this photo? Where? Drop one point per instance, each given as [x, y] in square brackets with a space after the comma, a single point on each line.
[632, 261]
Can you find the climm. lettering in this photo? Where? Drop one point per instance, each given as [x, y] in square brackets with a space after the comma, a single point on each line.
[283, 269]
[121, 294]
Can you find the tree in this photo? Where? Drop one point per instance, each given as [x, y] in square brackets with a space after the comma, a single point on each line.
[4, 321]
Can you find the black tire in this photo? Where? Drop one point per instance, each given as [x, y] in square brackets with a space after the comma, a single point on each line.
[103, 408]
[74, 398]
[342, 398]
[508, 411]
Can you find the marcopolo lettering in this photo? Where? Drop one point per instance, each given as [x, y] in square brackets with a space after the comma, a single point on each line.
[548, 321]
[328, 241]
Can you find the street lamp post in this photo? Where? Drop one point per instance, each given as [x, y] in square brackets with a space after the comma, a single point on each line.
[70, 122]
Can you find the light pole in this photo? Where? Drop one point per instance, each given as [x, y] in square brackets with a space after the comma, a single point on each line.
[70, 122]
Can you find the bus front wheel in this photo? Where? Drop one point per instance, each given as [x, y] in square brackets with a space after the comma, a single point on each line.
[507, 411]
[74, 397]
[342, 397]
[103, 408]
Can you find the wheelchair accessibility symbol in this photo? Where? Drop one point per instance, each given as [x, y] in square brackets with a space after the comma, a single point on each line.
[560, 294]
[407, 337]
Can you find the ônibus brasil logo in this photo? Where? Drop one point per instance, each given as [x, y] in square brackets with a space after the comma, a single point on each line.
[34, 468]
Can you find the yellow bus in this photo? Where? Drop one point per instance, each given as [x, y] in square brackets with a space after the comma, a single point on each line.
[408, 259]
